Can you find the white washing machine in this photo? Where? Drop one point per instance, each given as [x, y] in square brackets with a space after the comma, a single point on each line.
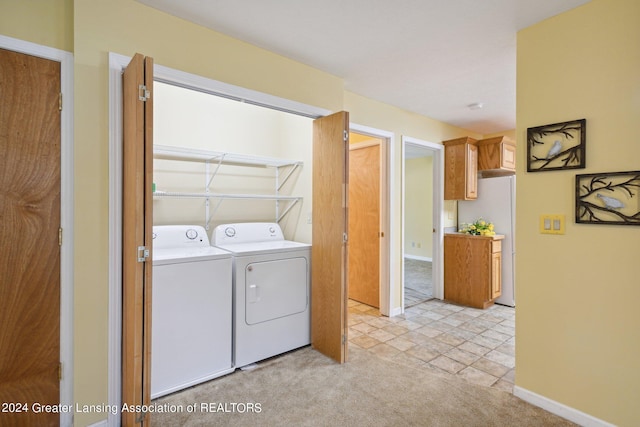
[191, 330]
[271, 290]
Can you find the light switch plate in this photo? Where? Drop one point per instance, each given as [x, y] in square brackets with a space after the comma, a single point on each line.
[552, 224]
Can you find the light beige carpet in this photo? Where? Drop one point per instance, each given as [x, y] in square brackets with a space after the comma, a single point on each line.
[305, 388]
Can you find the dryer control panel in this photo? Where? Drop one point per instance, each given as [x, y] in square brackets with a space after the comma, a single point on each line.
[246, 232]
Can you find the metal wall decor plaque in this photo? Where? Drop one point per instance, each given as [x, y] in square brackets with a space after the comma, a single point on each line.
[557, 146]
[608, 198]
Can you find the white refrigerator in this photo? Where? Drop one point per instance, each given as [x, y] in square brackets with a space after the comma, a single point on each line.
[496, 203]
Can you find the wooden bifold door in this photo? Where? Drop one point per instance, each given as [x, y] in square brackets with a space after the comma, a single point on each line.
[136, 239]
[329, 281]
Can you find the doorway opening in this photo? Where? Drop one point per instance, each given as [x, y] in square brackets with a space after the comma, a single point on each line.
[364, 219]
[369, 266]
[421, 222]
[203, 85]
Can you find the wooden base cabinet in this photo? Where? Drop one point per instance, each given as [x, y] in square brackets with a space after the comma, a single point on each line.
[472, 269]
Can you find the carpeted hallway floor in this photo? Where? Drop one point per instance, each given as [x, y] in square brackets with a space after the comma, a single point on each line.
[305, 388]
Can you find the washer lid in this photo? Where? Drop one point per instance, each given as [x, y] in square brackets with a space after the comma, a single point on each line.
[191, 254]
[255, 248]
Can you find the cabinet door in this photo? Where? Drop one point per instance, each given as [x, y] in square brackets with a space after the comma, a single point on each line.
[508, 157]
[460, 169]
[471, 191]
[496, 275]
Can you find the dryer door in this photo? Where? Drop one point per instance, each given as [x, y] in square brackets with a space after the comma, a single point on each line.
[275, 289]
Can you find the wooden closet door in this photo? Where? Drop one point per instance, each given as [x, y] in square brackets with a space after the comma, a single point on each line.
[137, 237]
[364, 224]
[29, 237]
[329, 250]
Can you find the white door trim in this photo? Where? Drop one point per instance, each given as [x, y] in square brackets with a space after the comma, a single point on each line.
[117, 63]
[387, 268]
[66, 208]
[438, 213]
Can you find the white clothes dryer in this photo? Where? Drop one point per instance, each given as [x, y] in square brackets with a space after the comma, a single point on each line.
[191, 329]
[271, 289]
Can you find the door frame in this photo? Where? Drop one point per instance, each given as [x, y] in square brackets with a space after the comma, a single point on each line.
[387, 268]
[66, 208]
[438, 214]
[117, 62]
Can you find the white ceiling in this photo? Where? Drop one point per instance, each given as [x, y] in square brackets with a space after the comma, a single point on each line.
[431, 57]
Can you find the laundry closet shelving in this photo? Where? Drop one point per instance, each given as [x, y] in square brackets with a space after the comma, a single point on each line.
[213, 161]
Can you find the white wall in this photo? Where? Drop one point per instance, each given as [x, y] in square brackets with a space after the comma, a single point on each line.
[191, 119]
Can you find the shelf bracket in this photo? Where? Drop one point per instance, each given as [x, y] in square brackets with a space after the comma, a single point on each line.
[287, 176]
[286, 211]
[215, 172]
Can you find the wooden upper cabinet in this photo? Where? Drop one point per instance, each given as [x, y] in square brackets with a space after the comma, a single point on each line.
[461, 169]
[496, 156]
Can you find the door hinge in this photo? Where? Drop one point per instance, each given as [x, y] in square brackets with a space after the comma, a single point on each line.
[60, 236]
[143, 253]
[344, 339]
[345, 237]
[143, 93]
[60, 101]
[345, 135]
[60, 371]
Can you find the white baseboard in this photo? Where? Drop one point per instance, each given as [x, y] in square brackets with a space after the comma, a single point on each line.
[560, 409]
[396, 312]
[418, 257]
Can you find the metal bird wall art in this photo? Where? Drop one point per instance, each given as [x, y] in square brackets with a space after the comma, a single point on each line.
[608, 198]
[557, 146]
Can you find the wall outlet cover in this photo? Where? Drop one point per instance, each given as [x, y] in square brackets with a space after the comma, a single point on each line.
[552, 224]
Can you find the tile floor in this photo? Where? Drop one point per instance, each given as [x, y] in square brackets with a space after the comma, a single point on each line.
[473, 344]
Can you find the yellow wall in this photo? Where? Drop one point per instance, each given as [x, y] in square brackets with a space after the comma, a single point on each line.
[45, 22]
[578, 327]
[508, 133]
[418, 204]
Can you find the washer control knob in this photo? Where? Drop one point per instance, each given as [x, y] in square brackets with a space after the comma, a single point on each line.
[191, 234]
[272, 230]
[230, 231]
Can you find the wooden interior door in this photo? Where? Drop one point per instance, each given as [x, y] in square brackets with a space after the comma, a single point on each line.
[30, 141]
[329, 281]
[364, 223]
[137, 237]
